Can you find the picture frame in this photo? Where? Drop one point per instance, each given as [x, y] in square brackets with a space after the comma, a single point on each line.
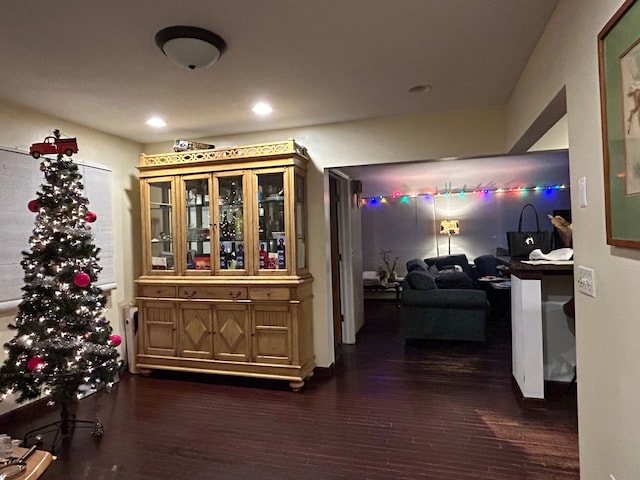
[619, 75]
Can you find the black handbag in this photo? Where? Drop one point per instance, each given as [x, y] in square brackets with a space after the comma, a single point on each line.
[521, 244]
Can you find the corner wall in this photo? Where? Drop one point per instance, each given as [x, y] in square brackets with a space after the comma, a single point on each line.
[19, 128]
[607, 327]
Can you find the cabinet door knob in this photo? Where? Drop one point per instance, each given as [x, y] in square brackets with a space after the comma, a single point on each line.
[233, 294]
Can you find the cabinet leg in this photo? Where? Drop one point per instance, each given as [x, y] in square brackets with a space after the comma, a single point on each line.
[296, 386]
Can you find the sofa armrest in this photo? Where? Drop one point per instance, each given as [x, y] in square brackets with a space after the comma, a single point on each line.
[448, 298]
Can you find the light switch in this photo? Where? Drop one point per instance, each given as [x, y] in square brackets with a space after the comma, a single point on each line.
[586, 281]
[582, 191]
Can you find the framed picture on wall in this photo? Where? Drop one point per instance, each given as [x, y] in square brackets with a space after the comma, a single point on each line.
[619, 69]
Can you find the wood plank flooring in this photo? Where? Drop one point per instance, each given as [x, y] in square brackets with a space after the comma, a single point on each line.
[391, 411]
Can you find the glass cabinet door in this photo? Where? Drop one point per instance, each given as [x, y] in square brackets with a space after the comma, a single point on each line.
[161, 225]
[272, 239]
[231, 229]
[301, 222]
[198, 223]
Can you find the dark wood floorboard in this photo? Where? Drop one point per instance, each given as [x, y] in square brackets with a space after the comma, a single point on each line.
[428, 410]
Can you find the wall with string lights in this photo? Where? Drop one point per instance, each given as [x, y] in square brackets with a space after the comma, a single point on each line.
[409, 225]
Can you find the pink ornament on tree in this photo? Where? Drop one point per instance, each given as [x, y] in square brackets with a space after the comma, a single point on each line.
[35, 363]
[82, 280]
[115, 340]
[90, 217]
[33, 205]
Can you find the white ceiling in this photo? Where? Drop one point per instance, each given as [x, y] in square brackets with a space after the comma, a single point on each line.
[95, 62]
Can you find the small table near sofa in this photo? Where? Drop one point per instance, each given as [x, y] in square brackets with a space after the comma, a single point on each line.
[377, 292]
[499, 294]
[543, 347]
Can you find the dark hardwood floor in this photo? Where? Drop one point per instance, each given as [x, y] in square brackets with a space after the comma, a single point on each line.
[424, 411]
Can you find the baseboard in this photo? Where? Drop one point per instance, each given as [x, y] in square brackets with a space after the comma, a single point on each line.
[23, 413]
[325, 372]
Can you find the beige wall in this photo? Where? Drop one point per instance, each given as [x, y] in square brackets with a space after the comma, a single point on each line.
[415, 137]
[607, 327]
[19, 128]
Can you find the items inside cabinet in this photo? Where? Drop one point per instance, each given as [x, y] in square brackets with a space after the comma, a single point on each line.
[198, 223]
[160, 216]
[271, 221]
[231, 222]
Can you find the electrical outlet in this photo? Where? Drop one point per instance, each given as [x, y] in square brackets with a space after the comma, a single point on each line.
[587, 281]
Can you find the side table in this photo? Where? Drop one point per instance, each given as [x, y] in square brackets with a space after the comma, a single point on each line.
[37, 463]
[392, 286]
[499, 294]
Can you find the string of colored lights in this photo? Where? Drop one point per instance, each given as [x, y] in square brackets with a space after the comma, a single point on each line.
[404, 198]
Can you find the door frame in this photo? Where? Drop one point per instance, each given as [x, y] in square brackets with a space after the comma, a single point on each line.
[348, 283]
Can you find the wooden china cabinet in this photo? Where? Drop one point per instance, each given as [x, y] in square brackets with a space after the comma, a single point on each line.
[226, 287]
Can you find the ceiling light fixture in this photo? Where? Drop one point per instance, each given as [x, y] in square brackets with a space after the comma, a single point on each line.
[190, 47]
[262, 108]
[156, 122]
[420, 89]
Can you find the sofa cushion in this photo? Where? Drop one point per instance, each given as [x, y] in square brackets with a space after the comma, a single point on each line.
[486, 265]
[446, 261]
[420, 280]
[454, 280]
[416, 263]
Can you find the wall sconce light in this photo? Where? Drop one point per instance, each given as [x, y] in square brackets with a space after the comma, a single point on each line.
[449, 227]
[191, 47]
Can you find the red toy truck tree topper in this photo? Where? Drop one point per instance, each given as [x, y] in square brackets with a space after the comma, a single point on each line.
[54, 145]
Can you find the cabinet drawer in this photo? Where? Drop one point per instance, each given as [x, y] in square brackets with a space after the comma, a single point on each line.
[157, 291]
[270, 293]
[213, 292]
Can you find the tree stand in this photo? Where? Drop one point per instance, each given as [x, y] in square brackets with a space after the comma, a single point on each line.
[63, 429]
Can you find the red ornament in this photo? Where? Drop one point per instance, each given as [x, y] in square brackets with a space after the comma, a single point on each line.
[115, 340]
[35, 363]
[90, 217]
[82, 279]
[34, 205]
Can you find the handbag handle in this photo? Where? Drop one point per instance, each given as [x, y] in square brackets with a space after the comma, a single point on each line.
[534, 211]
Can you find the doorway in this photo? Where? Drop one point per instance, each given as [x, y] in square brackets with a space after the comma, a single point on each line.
[334, 202]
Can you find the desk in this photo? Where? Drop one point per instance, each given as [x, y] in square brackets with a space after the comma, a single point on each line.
[543, 347]
[37, 463]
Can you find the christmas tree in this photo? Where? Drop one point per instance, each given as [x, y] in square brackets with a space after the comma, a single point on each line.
[63, 343]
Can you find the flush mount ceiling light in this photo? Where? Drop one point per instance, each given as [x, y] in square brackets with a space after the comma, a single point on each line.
[262, 108]
[156, 122]
[190, 47]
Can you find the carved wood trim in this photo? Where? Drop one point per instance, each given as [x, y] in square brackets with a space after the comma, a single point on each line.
[288, 147]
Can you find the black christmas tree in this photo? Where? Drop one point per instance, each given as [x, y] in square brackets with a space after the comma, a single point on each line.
[63, 344]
